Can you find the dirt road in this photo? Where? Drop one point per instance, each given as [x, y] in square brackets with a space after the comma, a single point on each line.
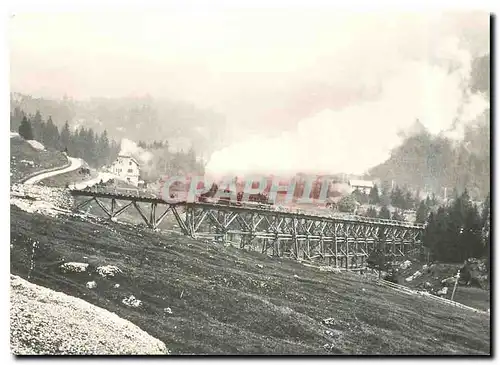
[75, 163]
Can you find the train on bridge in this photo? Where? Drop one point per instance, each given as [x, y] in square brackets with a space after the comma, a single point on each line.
[179, 190]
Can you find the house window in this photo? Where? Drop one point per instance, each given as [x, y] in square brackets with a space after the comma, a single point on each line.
[130, 163]
[129, 170]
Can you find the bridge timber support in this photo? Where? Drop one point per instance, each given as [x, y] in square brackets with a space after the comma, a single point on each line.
[152, 220]
[342, 242]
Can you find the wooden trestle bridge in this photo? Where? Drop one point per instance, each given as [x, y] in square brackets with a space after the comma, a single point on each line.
[343, 242]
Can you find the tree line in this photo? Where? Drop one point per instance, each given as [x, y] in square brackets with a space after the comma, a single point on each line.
[459, 231]
[454, 233]
[400, 198]
[155, 145]
[96, 149]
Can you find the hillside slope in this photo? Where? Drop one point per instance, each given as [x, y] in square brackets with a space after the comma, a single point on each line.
[26, 160]
[206, 298]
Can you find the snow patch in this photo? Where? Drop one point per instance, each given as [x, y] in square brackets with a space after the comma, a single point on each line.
[405, 265]
[414, 276]
[28, 162]
[50, 329]
[74, 267]
[132, 302]
[37, 206]
[443, 291]
[40, 199]
[108, 271]
[36, 145]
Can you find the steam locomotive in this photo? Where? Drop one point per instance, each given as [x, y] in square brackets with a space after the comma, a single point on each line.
[258, 199]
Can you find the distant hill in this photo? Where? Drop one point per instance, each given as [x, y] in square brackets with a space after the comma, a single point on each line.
[143, 118]
[434, 162]
[481, 74]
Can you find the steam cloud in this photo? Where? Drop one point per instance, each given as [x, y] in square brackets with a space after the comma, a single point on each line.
[130, 148]
[432, 88]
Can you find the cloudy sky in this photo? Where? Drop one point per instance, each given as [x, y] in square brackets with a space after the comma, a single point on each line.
[311, 74]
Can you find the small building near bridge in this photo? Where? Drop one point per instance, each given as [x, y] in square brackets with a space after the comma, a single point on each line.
[128, 168]
[362, 185]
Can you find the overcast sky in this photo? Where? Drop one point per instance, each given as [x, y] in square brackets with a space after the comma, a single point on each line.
[259, 67]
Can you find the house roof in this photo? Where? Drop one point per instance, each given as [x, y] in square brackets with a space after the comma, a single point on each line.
[361, 183]
[130, 157]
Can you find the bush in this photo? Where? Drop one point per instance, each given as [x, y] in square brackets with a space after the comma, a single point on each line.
[347, 204]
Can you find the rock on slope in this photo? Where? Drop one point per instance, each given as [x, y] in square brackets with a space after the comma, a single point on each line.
[43, 321]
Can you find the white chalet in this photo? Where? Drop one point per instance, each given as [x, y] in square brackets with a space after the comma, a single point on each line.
[126, 167]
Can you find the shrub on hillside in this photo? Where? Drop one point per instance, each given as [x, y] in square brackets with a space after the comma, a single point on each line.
[347, 204]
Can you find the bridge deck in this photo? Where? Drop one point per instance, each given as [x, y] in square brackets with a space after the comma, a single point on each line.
[238, 207]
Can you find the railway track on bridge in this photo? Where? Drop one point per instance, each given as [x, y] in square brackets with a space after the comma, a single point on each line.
[340, 241]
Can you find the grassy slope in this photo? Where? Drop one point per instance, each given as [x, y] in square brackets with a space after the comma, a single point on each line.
[22, 150]
[222, 302]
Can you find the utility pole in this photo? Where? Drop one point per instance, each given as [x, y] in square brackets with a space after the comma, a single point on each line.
[455, 287]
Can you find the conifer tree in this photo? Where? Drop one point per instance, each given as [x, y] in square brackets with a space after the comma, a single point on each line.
[471, 242]
[65, 136]
[384, 213]
[485, 219]
[443, 243]
[50, 134]
[25, 129]
[371, 212]
[37, 126]
[374, 195]
[422, 212]
[103, 149]
[408, 201]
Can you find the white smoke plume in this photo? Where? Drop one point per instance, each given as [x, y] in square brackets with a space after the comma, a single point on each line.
[130, 148]
[415, 77]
